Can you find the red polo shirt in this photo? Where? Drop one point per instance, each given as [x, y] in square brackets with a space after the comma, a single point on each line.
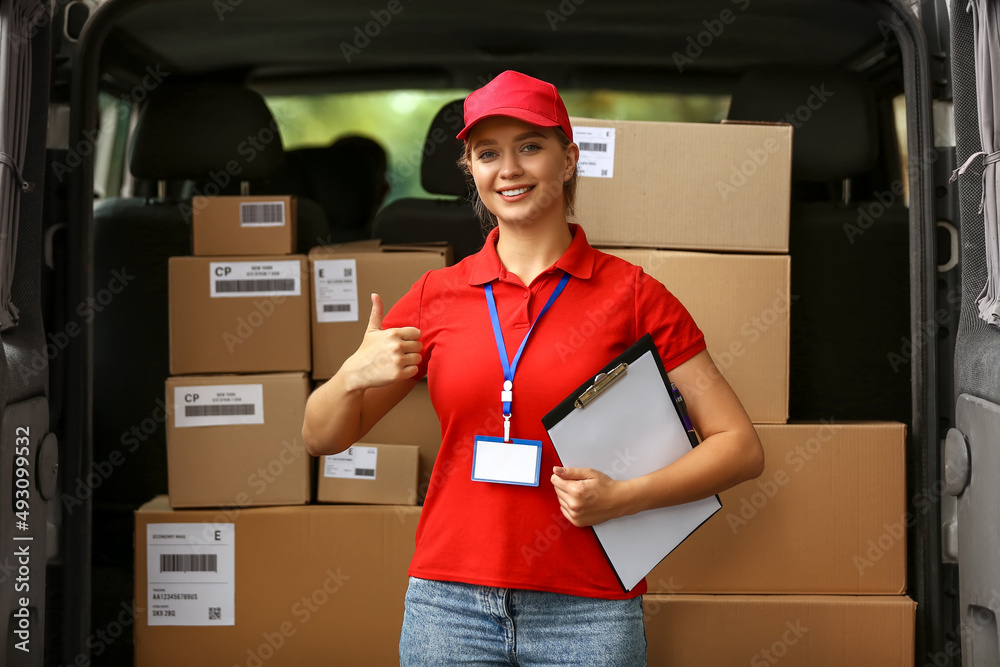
[515, 536]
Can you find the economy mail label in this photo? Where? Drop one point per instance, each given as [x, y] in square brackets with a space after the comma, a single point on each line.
[240, 279]
[597, 151]
[336, 282]
[218, 405]
[190, 573]
[354, 463]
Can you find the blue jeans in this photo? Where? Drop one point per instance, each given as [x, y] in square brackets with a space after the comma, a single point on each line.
[448, 623]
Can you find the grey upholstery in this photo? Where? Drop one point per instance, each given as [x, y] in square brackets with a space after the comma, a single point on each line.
[850, 262]
[449, 219]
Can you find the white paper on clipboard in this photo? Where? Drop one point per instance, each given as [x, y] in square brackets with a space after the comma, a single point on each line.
[629, 430]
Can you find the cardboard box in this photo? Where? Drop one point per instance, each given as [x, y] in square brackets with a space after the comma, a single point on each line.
[344, 277]
[243, 315]
[741, 303]
[790, 630]
[684, 186]
[828, 515]
[236, 440]
[311, 585]
[369, 473]
[259, 225]
[412, 422]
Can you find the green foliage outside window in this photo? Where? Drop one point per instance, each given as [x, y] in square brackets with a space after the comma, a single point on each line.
[399, 120]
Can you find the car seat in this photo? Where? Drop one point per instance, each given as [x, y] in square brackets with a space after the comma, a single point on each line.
[414, 220]
[187, 132]
[850, 312]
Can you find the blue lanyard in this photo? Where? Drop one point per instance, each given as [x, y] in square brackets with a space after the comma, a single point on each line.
[510, 368]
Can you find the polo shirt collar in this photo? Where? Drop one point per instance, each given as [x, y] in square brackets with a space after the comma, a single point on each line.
[578, 260]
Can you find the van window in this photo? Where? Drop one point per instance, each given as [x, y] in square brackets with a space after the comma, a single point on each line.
[110, 146]
[399, 120]
[899, 116]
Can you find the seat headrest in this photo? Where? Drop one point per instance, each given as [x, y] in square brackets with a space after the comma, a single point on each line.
[439, 171]
[833, 113]
[189, 131]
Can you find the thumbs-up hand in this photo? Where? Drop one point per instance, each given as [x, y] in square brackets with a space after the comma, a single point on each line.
[375, 319]
[385, 355]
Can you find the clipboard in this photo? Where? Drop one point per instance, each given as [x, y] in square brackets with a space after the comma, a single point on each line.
[626, 423]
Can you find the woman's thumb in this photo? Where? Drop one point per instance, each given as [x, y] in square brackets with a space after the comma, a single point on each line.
[375, 320]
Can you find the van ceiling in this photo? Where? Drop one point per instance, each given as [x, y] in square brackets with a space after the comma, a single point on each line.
[454, 44]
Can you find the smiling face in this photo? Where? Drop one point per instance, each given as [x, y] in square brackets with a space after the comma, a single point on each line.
[519, 170]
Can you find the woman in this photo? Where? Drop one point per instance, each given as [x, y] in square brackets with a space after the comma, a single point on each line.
[508, 574]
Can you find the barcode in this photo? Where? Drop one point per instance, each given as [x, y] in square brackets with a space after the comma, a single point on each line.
[336, 307]
[218, 410]
[348, 272]
[261, 213]
[268, 285]
[589, 146]
[189, 563]
[364, 472]
[215, 613]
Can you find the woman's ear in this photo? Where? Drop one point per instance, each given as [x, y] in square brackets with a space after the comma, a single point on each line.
[572, 157]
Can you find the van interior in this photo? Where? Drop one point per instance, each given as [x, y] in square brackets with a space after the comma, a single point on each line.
[351, 106]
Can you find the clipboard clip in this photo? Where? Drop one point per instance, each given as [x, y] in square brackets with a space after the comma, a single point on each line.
[601, 382]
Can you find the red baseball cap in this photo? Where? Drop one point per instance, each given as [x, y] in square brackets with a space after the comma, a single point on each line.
[518, 96]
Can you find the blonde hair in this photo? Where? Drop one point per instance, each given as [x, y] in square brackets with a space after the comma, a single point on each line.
[486, 217]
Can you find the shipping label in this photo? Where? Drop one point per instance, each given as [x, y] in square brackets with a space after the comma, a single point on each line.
[336, 283]
[354, 463]
[262, 214]
[240, 279]
[597, 151]
[218, 405]
[190, 573]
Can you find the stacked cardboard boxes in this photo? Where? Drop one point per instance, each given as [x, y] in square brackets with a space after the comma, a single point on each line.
[239, 357]
[236, 561]
[807, 563]
[277, 586]
[343, 277]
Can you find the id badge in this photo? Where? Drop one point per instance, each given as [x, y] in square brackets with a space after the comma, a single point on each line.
[514, 462]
